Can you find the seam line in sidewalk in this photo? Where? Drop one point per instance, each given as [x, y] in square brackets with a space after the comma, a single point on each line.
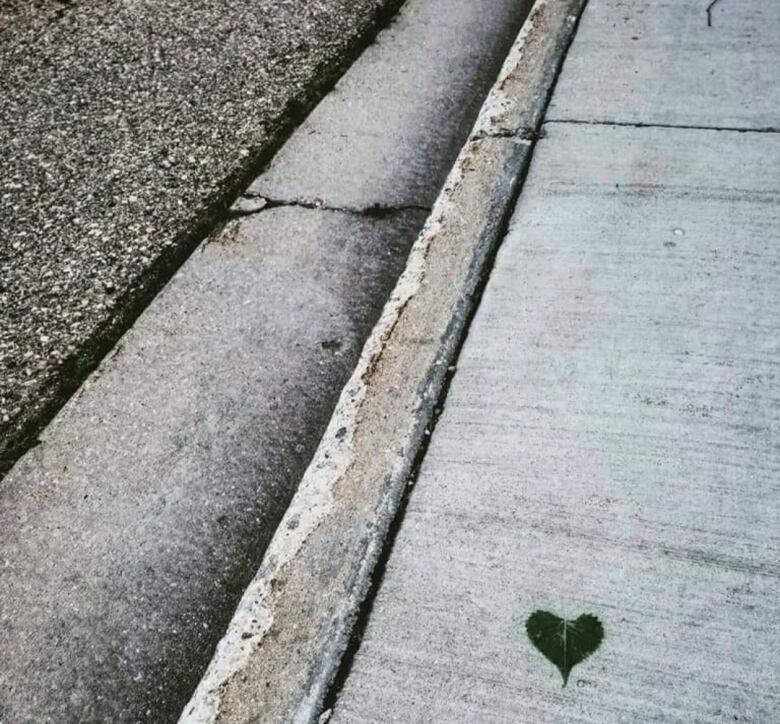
[683, 126]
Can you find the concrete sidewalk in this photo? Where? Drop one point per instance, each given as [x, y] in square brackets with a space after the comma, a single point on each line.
[609, 443]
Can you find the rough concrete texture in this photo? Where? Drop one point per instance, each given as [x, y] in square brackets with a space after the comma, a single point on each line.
[608, 444]
[518, 100]
[348, 137]
[124, 128]
[284, 643]
[287, 638]
[667, 66]
[131, 531]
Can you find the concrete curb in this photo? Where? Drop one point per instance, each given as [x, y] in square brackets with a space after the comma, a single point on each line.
[287, 637]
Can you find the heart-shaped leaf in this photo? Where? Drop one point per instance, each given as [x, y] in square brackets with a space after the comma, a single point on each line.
[566, 643]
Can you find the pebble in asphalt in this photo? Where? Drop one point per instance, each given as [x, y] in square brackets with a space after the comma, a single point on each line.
[122, 126]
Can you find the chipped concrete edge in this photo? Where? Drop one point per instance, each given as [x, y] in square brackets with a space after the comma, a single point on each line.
[518, 99]
[513, 108]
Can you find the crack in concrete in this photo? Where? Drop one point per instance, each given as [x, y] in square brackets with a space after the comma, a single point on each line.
[639, 124]
[250, 205]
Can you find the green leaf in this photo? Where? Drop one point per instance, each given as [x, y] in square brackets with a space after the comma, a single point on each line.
[564, 642]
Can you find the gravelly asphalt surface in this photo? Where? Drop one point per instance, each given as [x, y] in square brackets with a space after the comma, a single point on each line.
[124, 128]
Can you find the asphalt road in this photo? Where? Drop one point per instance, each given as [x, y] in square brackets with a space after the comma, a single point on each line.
[124, 128]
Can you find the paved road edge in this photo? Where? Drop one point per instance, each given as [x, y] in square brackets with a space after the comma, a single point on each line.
[286, 640]
[129, 304]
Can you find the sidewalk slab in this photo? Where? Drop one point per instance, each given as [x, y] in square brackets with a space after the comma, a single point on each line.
[608, 446]
[660, 63]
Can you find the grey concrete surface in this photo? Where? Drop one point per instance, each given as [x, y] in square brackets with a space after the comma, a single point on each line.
[349, 139]
[124, 128]
[608, 445]
[286, 641]
[131, 531]
[609, 440]
[128, 533]
[667, 66]
[284, 644]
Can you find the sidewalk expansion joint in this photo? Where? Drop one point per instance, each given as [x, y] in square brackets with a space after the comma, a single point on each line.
[682, 126]
[251, 205]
